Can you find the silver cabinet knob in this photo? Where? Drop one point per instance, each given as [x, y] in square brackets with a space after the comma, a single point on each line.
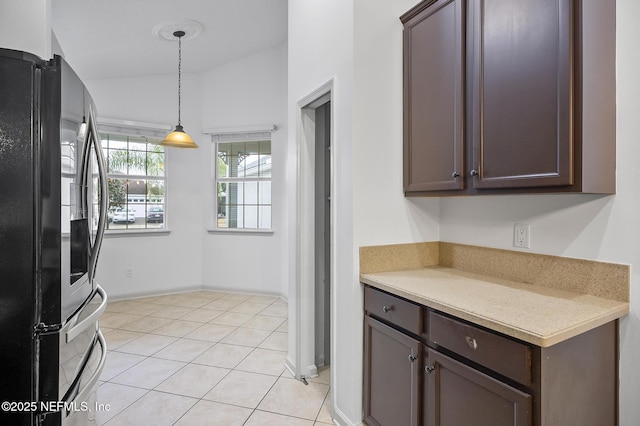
[412, 357]
[428, 369]
[387, 309]
[455, 175]
[473, 172]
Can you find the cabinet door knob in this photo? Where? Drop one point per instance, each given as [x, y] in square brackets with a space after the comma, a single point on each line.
[386, 309]
[428, 369]
[455, 175]
[473, 172]
[412, 357]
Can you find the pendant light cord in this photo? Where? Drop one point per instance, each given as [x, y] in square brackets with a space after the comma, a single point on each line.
[179, 138]
[179, 74]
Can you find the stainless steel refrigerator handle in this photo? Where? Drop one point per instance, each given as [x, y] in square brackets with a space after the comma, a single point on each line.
[104, 197]
[83, 175]
[83, 393]
[81, 326]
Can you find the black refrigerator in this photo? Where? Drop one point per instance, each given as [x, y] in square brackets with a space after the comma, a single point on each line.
[53, 199]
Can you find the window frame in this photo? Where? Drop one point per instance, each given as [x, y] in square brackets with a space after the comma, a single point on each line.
[154, 133]
[232, 137]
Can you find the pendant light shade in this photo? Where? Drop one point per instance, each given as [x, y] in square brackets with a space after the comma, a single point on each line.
[179, 138]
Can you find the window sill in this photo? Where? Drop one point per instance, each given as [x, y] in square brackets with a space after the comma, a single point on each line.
[241, 231]
[136, 233]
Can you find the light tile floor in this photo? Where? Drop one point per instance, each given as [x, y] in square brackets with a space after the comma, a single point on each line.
[204, 358]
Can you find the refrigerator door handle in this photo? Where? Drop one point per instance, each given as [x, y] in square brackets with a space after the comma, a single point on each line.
[81, 326]
[92, 133]
[90, 385]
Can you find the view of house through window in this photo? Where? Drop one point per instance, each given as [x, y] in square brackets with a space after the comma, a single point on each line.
[243, 184]
[136, 179]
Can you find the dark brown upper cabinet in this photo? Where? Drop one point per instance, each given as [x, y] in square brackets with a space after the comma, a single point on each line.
[509, 96]
[434, 97]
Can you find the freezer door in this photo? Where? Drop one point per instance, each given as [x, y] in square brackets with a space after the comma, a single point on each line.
[77, 407]
[77, 338]
[79, 352]
[80, 409]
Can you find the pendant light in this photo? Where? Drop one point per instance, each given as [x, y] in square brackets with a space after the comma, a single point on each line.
[82, 130]
[179, 138]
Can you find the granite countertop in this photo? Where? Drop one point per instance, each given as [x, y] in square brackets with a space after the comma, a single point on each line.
[537, 314]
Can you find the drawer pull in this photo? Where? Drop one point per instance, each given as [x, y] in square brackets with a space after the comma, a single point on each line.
[473, 344]
[428, 369]
[395, 310]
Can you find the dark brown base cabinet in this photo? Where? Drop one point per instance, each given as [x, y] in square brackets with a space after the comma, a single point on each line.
[393, 376]
[423, 367]
[509, 96]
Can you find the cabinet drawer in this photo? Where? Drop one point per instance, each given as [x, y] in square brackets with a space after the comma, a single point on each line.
[505, 356]
[394, 310]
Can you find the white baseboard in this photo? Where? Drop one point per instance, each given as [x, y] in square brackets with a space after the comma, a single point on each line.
[340, 419]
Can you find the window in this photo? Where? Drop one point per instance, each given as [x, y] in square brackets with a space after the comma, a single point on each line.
[243, 181]
[136, 179]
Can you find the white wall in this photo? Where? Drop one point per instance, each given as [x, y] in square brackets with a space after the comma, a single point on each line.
[246, 92]
[160, 263]
[26, 25]
[383, 215]
[320, 49]
[358, 44]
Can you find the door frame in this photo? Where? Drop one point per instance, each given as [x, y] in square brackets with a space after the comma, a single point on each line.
[301, 358]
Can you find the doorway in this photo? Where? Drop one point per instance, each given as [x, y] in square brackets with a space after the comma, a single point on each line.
[310, 295]
[322, 240]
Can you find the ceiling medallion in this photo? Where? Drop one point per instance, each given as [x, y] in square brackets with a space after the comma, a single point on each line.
[165, 30]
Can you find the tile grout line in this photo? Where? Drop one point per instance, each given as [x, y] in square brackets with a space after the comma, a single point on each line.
[269, 332]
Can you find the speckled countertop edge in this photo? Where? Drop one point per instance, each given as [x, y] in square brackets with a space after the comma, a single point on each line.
[542, 314]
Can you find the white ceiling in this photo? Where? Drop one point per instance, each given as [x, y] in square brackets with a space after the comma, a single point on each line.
[113, 38]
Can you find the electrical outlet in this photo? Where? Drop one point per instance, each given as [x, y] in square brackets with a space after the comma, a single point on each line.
[522, 235]
[128, 272]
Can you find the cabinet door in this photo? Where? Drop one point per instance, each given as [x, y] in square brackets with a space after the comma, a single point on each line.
[460, 395]
[391, 377]
[522, 92]
[434, 97]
